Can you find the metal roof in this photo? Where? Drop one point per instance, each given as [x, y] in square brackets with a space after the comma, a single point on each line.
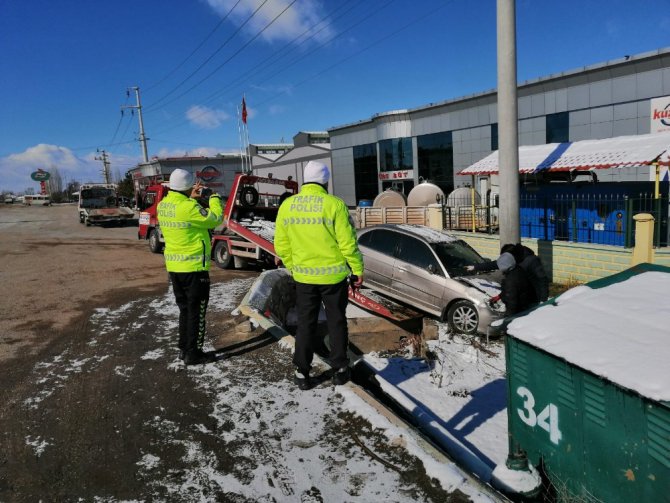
[618, 152]
[624, 61]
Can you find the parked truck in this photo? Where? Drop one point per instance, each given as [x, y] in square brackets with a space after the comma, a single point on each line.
[99, 204]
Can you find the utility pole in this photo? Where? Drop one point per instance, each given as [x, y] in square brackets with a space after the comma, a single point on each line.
[508, 140]
[138, 107]
[105, 163]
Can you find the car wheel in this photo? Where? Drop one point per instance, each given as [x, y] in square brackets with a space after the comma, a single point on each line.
[222, 257]
[463, 317]
[155, 244]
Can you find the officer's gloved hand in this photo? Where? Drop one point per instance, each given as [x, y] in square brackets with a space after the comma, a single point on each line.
[203, 199]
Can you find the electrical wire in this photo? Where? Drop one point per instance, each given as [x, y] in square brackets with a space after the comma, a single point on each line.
[282, 52]
[247, 44]
[207, 37]
[359, 52]
[154, 105]
[250, 72]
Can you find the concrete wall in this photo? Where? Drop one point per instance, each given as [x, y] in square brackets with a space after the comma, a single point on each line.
[567, 262]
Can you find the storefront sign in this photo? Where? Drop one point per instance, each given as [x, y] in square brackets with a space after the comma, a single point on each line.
[660, 114]
[397, 175]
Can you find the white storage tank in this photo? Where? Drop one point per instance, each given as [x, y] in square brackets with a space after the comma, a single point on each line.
[425, 194]
[390, 199]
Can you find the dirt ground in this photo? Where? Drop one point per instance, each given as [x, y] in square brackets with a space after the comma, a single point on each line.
[96, 407]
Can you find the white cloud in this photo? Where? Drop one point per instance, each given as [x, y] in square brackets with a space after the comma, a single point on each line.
[301, 16]
[205, 117]
[15, 169]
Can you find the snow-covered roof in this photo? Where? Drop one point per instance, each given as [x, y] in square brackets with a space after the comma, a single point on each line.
[622, 151]
[619, 332]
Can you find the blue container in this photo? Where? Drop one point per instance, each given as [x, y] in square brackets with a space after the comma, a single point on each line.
[364, 203]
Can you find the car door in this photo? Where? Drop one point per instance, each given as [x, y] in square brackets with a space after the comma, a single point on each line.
[418, 275]
[378, 249]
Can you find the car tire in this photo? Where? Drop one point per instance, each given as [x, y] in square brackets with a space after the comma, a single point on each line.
[155, 244]
[463, 317]
[249, 196]
[222, 257]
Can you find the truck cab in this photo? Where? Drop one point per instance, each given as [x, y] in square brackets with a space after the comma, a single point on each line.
[148, 221]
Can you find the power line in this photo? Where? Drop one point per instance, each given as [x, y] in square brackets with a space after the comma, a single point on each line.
[249, 42]
[246, 76]
[154, 105]
[207, 37]
[362, 50]
[251, 71]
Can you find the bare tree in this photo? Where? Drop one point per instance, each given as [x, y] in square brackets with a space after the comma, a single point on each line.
[55, 181]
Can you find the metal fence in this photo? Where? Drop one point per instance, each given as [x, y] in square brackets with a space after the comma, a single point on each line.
[583, 218]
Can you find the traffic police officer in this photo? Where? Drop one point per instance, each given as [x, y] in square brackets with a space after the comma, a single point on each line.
[316, 241]
[185, 225]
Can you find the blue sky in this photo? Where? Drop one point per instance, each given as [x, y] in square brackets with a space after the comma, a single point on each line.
[66, 65]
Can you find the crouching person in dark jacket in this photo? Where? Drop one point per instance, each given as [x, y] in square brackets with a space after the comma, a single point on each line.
[517, 291]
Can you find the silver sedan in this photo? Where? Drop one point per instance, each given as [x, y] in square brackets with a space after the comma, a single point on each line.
[426, 269]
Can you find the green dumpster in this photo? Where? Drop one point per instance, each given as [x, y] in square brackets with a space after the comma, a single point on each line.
[589, 388]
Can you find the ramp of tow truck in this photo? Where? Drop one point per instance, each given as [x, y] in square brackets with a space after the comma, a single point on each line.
[382, 306]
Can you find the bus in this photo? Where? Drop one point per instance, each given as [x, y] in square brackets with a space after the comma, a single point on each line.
[37, 200]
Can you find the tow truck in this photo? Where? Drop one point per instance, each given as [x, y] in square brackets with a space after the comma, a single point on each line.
[99, 204]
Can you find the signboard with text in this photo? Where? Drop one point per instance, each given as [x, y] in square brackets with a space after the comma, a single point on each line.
[660, 114]
[406, 174]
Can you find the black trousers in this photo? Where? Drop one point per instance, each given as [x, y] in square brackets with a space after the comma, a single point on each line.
[308, 305]
[191, 291]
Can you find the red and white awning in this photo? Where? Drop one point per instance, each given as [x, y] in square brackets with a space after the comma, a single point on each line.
[616, 152]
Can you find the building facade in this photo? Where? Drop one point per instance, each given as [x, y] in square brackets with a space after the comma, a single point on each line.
[398, 149]
[284, 161]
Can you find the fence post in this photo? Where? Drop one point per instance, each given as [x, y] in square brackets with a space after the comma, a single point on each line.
[629, 222]
[644, 239]
[573, 216]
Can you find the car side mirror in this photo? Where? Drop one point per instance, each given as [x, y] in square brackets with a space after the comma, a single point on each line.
[432, 269]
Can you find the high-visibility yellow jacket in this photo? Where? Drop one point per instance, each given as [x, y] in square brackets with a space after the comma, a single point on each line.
[315, 239]
[185, 226]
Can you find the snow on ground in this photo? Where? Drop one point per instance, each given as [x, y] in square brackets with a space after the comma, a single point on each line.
[461, 394]
[288, 445]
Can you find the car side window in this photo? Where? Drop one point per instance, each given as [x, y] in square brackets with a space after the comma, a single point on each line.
[418, 254]
[381, 241]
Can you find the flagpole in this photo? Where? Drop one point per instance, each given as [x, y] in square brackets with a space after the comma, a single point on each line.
[239, 133]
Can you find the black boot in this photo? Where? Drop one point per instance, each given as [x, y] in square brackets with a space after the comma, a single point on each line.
[303, 380]
[341, 376]
[198, 357]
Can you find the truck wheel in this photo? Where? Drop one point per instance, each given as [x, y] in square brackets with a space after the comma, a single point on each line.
[463, 317]
[249, 196]
[155, 244]
[222, 257]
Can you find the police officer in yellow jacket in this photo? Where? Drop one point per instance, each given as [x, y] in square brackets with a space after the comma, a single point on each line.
[315, 240]
[185, 225]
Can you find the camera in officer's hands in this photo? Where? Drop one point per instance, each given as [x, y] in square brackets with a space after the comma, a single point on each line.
[205, 194]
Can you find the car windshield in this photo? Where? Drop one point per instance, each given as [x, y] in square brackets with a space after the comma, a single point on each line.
[456, 255]
[98, 197]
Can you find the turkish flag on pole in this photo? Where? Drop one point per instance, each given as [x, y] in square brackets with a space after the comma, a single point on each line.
[244, 110]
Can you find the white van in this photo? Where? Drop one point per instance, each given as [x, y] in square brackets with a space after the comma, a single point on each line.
[37, 200]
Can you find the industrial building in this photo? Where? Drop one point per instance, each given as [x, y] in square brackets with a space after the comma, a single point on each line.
[399, 148]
